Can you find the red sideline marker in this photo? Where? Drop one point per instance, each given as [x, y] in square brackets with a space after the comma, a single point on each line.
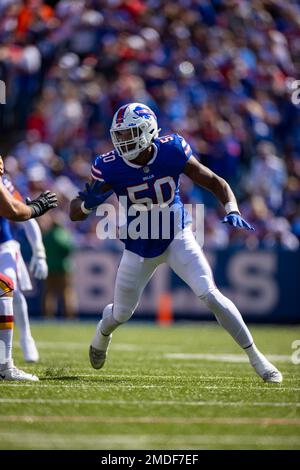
[164, 315]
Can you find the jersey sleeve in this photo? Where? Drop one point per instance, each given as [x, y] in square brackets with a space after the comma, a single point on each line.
[97, 170]
[183, 153]
[185, 147]
[103, 167]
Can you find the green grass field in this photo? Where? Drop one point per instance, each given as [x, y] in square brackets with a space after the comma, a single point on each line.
[183, 387]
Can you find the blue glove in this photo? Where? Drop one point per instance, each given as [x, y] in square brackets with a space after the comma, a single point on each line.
[92, 195]
[236, 220]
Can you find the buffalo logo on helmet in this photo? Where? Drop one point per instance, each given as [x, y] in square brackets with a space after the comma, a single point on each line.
[144, 112]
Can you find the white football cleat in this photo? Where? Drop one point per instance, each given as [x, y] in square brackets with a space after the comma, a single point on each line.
[98, 354]
[12, 373]
[273, 376]
[97, 357]
[266, 370]
[29, 348]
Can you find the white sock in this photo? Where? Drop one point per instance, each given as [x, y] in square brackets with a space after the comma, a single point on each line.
[104, 329]
[21, 315]
[255, 356]
[108, 323]
[6, 332]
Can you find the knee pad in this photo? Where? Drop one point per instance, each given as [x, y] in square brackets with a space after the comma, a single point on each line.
[121, 313]
[108, 322]
[6, 285]
[107, 310]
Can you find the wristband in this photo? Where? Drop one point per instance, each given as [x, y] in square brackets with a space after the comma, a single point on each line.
[231, 207]
[84, 209]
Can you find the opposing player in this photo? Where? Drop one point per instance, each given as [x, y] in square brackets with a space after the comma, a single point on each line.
[14, 209]
[13, 266]
[146, 170]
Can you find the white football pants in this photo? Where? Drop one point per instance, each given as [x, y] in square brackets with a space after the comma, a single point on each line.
[13, 265]
[186, 258]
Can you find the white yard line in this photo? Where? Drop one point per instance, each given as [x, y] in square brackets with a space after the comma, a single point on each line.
[73, 345]
[50, 440]
[224, 357]
[115, 346]
[71, 401]
[169, 355]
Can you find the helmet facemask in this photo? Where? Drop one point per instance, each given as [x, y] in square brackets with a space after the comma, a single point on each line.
[129, 141]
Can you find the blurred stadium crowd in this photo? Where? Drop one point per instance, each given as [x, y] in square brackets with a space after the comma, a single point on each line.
[218, 72]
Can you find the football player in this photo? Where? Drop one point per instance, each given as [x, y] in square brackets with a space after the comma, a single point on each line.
[13, 266]
[146, 168]
[13, 209]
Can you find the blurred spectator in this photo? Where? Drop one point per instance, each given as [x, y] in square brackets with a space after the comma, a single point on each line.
[220, 72]
[267, 176]
[58, 293]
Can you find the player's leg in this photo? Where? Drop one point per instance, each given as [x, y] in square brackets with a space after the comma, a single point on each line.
[187, 259]
[6, 321]
[27, 342]
[133, 274]
[7, 369]
[13, 266]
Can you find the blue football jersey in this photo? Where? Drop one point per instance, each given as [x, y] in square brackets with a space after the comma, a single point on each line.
[156, 183]
[5, 230]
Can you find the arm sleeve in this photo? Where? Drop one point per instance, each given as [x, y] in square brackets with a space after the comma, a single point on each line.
[34, 236]
[10, 187]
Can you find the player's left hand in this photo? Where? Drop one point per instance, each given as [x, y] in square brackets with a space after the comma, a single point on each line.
[236, 220]
[92, 195]
[38, 267]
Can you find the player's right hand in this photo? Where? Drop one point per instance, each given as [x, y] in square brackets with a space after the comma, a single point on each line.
[38, 267]
[236, 220]
[92, 195]
[42, 204]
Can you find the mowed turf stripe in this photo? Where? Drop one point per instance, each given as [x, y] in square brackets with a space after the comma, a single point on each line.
[151, 420]
[105, 386]
[66, 401]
